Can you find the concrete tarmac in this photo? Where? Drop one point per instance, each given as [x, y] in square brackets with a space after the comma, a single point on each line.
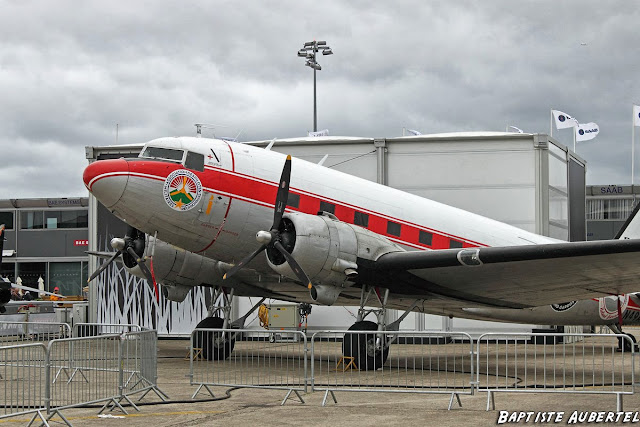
[247, 407]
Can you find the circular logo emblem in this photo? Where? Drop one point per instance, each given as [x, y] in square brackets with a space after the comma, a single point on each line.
[563, 306]
[581, 132]
[561, 118]
[182, 190]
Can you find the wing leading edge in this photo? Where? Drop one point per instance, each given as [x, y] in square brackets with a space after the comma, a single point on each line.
[519, 276]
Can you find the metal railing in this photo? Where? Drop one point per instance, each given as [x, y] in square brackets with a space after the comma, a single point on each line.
[256, 359]
[12, 333]
[413, 362]
[73, 372]
[544, 363]
[23, 379]
[95, 329]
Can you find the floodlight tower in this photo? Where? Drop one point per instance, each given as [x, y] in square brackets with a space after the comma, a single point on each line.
[308, 52]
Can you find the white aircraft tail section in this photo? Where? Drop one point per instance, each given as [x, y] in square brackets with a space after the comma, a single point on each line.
[631, 227]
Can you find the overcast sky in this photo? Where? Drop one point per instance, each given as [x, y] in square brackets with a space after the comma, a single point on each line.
[70, 70]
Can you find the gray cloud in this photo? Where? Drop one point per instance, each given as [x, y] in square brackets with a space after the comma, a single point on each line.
[69, 71]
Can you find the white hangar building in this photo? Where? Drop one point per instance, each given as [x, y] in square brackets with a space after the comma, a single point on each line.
[527, 180]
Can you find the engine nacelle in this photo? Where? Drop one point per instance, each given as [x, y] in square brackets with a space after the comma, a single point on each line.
[327, 249]
[177, 270]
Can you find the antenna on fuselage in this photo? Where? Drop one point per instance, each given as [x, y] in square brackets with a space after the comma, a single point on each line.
[199, 127]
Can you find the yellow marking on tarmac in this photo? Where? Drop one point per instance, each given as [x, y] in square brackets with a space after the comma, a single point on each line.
[91, 417]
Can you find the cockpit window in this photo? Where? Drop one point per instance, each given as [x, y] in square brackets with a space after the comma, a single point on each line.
[194, 161]
[163, 153]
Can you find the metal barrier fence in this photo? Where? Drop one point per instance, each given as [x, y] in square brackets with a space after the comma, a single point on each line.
[12, 333]
[75, 372]
[535, 363]
[95, 329]
[264, 359]
[414, 362]
[139, 361]
[22, 379]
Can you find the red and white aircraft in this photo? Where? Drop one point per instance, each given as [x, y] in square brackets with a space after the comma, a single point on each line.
[197, 206]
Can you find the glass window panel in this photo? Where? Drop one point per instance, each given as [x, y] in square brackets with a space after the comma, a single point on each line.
[31, 220]
[6, 218]
[194, 161]
[393, 228]
[425, 237]
[67, 276]
[8, 271]
[327, 207]
[163, 153]
[30, 272]
[293, 200]
[454, 244]
[361, 219]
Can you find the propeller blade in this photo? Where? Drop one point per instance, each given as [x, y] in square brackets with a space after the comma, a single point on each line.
[302, 276]
[283, 194]
[244, 262]
[103, 266]
[141, 264]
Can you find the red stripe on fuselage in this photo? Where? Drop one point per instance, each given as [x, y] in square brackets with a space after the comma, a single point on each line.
[263, 192]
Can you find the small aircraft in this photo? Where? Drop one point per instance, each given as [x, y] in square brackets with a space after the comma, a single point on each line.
[202, 211]
[6, 286]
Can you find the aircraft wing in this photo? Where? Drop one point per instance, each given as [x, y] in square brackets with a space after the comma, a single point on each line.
[515, 276]
[27, 288]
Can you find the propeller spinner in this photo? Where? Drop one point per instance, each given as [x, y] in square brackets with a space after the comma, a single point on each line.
[132, 241]
[273, 238]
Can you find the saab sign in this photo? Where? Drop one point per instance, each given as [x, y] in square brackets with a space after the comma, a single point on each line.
[80, 243]
[611, 189]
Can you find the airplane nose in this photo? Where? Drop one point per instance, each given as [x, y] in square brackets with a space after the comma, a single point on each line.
[107, 180]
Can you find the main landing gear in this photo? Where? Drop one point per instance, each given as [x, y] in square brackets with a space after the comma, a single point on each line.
[622, 343]
[219, 345]
[369, 351]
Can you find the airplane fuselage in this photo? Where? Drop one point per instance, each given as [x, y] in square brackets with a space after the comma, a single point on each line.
[210, 196]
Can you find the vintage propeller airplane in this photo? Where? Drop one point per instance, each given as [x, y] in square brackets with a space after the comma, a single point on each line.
[196, 207]
[6, 285]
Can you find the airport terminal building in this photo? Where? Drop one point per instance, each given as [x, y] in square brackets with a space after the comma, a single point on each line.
[45, 242]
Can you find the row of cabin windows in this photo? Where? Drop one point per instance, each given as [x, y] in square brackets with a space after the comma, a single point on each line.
[362, 219]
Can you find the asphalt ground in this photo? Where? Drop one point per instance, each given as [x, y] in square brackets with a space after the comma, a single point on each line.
[248, 407]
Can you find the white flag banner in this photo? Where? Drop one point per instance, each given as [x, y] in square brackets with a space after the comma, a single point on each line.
[587, 131]
[563, 120]
[414, 132]
[324, 132]
[636, 115]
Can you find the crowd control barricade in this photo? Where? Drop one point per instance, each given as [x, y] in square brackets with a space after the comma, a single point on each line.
[139, 373]
[413, 362]
[85, 370]
[547, 363]
[256, 359]
[12, 333]
[95, 329]
[23, 380]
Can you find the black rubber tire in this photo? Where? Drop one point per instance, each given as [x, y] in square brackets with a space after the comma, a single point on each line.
[207, 340]
[627, 346]
[356, 345]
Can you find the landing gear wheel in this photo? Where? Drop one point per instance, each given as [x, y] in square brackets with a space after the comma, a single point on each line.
[362, 347]
[214, 346]
[627, 345]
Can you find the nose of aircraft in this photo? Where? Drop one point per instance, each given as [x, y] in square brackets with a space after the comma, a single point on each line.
[107, 180]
